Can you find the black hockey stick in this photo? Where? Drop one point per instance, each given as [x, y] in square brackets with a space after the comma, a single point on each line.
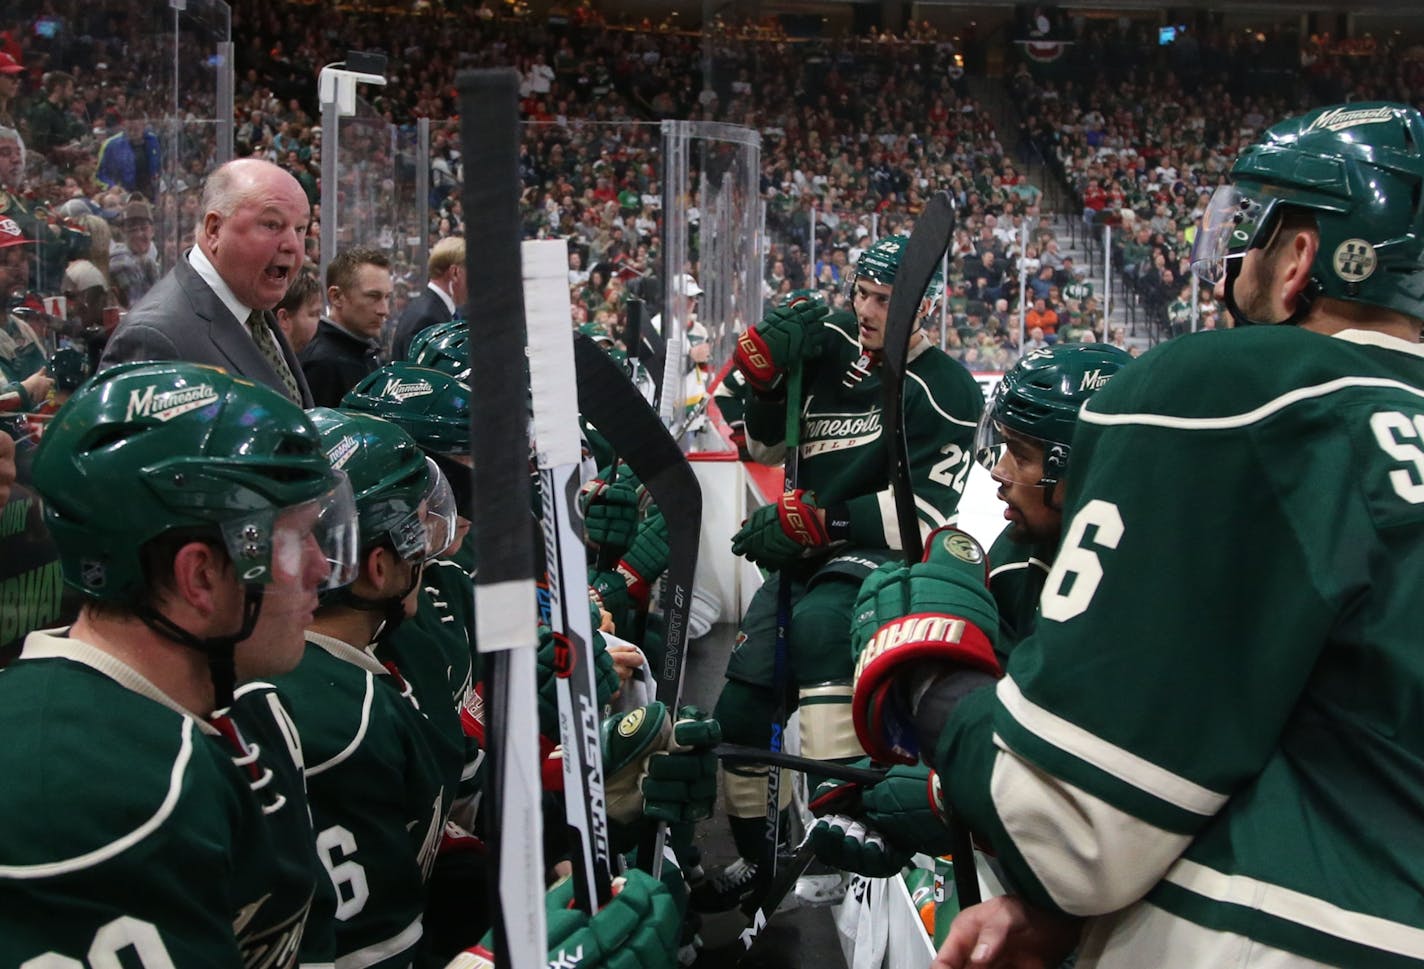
[613, 405]
[780, 887]
[921, 259]
[741, 754]
[504, 590]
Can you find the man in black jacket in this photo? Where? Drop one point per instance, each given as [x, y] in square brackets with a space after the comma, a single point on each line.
[358, 295]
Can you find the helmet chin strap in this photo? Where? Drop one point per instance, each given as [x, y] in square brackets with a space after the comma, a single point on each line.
[1303, 302]
[392, 608]
[218, 649]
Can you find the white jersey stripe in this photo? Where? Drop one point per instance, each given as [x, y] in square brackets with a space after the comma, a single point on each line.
[1089, 856]
[118, 845]
[1293, 906]
[933, 403]
[1107, 757]
[360, 736]
[1016, 566]
[379, 952]
[1230, 421]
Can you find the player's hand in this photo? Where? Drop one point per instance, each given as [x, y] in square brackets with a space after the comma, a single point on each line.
[626, 658]
[777, 534]
[640, 926]
[660, 769]
[783, 339]
[1006, 933]
[938, 611]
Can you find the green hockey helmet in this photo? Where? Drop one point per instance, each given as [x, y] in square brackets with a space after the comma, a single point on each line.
[1037, 402]
[598, 334]
[797, 295]
[1358, 170]
[429, 405]
[148, 449]
[881, 262]
[445, 347]
[402, 499]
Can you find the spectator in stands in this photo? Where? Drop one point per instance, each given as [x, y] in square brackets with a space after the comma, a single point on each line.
[52, 123]
[130, 159]
[212, 307]
[12, 159]
[300, 310]
[24, 384]
[10, 71]
[1042, 318]
[444, 294]
[133, 263]
[345, 347]
[1035, 340]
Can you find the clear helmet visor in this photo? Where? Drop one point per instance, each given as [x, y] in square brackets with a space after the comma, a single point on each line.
[317, 539]
[1015, 458]
[439, 513]
[428, 529]
[1229, 227]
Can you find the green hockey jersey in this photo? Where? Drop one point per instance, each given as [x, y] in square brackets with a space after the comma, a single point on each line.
[1016, 576]
[1215, 731]
[843, 450]
[378, 801]
[137, 834]
[433, 653]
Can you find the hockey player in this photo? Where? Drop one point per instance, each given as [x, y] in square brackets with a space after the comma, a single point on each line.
[1223, 750]
[379, 796]
[834, 528]
[199, 517]
[1025, 441]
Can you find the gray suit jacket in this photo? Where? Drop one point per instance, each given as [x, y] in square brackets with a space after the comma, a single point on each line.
[181, 318]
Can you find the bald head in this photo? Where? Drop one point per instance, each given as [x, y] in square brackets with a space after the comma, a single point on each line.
[253, 229]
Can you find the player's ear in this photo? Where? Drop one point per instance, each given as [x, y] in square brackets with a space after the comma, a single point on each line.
[1296, 259]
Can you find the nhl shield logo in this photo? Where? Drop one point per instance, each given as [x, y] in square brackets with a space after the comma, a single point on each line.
[1355, 260]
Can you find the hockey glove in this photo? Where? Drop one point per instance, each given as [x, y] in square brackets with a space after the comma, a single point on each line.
[939, 611]
[609, 593]
[628, 585]
[605, 678]
[874, 831]
[777, 534]
[659, 769]
[639, 927]
[785, 337]
[610, 514]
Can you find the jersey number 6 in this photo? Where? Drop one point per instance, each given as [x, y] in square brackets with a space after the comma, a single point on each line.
[1077, 571]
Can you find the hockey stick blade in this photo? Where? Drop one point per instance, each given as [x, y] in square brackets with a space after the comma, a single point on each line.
[922, 257]
[613, 405]
[781, 886]
[918, 263]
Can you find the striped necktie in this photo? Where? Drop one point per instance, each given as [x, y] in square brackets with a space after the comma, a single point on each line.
[267, 343]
